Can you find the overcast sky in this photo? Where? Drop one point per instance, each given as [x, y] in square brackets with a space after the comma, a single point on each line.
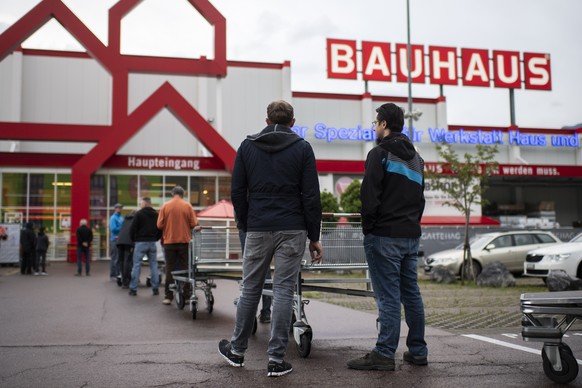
[276, 30]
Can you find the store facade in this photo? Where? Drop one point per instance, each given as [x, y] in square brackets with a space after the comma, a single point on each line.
[80, 132]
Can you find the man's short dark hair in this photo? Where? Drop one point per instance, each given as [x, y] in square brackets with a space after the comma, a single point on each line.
[280, 112]
[147, 200]
[393, 115]
[178, 190]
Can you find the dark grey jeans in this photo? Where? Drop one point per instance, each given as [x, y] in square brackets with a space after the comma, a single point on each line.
[286, 247]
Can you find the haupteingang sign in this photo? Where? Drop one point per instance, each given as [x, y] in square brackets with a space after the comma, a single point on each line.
[443, 65]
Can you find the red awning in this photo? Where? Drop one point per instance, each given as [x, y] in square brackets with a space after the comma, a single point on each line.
[222, 209]
[458, 220]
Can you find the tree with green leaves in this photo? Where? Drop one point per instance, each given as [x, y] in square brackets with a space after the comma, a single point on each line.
[329, 202]
[465, 182]
[350, 199]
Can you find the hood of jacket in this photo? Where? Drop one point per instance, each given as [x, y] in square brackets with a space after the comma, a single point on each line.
[149, 211]
[274, 138]
[399, 145]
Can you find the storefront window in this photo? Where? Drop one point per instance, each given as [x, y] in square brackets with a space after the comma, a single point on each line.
[202, 191]
[41, 205]
[173, 181]
[152, 186]
[62, 234]
[98, 213]
[224, 187]
[123, 189]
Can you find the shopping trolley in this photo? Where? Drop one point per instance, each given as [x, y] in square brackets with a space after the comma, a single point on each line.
[208, 259]
[547, 316]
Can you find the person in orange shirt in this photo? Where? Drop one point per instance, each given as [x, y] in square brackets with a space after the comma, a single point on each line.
[176, 221]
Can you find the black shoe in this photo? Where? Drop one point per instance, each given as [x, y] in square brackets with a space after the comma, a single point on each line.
[416, 360]
[132, 292]
[125, 287]
[155, 291]
[372, 361]
[275, 369]
[88, 274]
[233, 359]
[264, 318]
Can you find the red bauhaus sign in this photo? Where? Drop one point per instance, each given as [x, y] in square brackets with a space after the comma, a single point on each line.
[442, 65]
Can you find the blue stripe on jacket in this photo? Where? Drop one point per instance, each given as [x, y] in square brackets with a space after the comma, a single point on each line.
[399, 168]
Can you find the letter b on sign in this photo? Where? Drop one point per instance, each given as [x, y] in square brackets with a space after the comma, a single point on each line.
[341, 59]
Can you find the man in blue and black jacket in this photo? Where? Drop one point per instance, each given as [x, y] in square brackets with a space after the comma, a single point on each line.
[392, 196]
[275, 193]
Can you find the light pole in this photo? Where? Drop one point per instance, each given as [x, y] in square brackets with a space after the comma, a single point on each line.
[408, 65]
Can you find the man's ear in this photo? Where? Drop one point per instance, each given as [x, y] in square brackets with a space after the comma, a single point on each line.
[292, 123]
[268, 121]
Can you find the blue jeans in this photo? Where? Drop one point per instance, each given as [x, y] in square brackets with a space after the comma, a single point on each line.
[114, 264]
[140, 250]
[287, 248]
[392, 265]
[83, 251]
[267, 300]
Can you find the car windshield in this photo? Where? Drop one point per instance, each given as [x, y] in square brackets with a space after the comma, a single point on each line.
[577, 239]
[477, 242]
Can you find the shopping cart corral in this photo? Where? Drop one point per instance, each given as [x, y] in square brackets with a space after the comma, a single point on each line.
[547, 316]
[215, 253]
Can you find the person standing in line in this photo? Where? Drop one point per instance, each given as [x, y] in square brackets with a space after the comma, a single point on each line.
[42, 244]
[275, 193]
[114, 227]
[84, 240]
[176, 221]
[144, 232]
[392, 196]
[125, 250]
[27, 250]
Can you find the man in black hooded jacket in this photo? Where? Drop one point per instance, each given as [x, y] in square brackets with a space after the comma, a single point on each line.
[392, 196]
[275, 193]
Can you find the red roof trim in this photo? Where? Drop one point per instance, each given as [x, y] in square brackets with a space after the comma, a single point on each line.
[458, 220]
[56, 53]
[359, 97]
[256, 65]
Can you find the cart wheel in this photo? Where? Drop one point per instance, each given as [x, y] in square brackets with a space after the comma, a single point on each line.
[210, 303]
[148, 282]
[194, 310]
[180, 301]
[565, 347]
[293, 320]
[304, 345]
[255, 326]
[569, 366]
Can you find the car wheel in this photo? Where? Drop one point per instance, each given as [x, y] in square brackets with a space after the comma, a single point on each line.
[476, 270]
[579, 271]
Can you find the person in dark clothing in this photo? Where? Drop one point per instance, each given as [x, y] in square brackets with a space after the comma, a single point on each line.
[84, 240]
[392, 196]
[144, 232]
[125, 250]
[275, 193]
[42, 244]
[27, 249]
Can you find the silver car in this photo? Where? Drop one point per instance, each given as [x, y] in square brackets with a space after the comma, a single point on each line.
[510, 248]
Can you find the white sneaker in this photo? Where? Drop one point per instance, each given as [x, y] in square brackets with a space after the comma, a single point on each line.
[36, 273]
[167, 301]
[44, 273]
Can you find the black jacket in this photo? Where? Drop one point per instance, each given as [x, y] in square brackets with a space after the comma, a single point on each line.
[124, 237]
[275, 184]
[84, 234]
[42, 242]
[28, 238]
[392, 191]
[143, 227]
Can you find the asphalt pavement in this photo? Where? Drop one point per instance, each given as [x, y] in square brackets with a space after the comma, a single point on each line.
[65, 331]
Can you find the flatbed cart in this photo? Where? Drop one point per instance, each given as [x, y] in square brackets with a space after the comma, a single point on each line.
[547, 316]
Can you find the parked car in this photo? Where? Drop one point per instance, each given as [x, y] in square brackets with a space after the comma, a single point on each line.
[510, 248]
[565, 257]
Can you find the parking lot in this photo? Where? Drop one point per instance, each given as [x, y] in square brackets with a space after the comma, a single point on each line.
[65, 331]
